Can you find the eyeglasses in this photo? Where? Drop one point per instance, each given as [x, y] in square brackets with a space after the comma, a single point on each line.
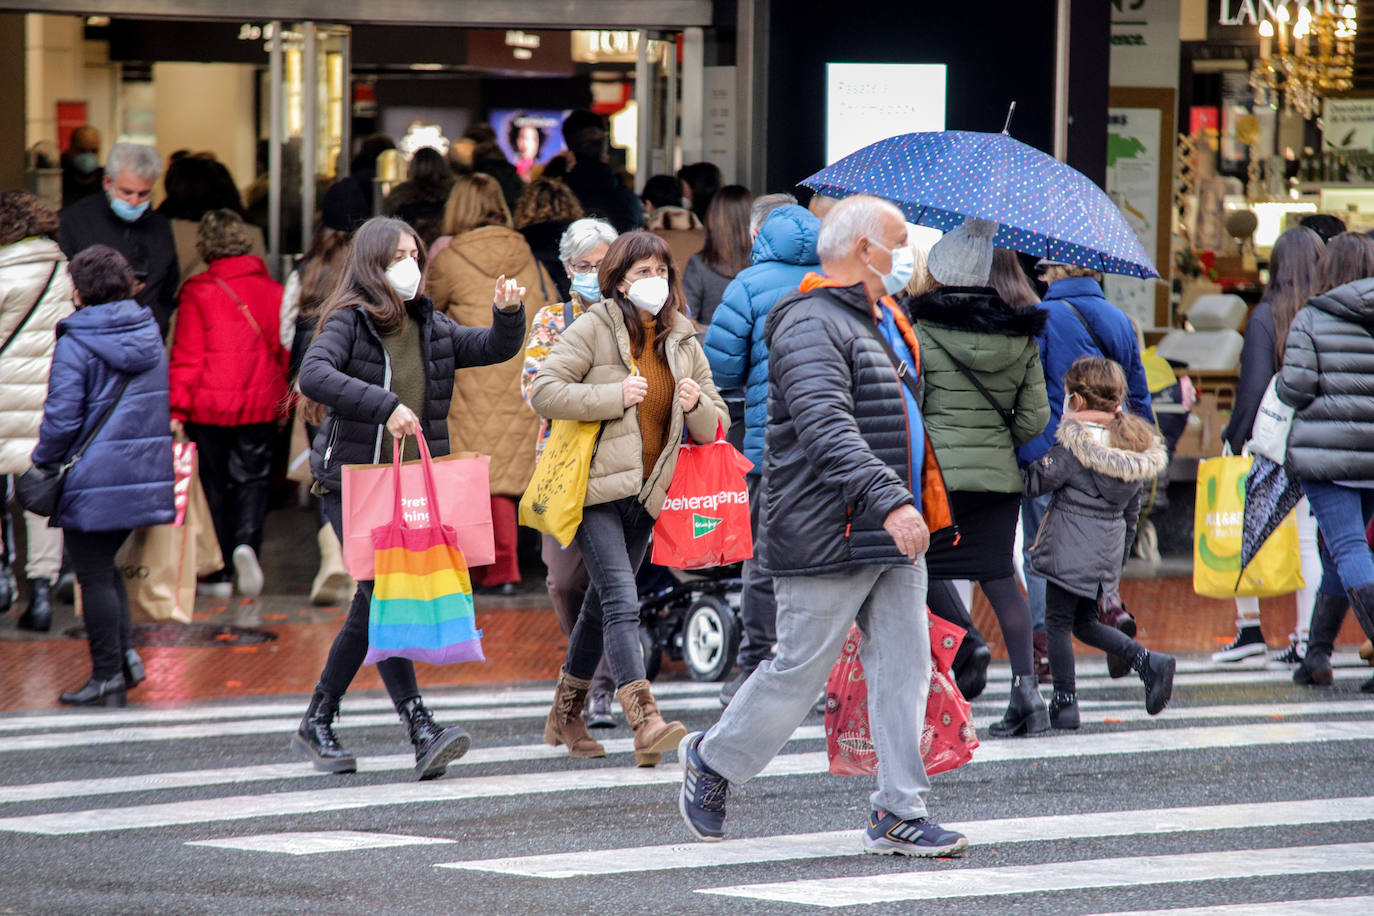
[584, 267]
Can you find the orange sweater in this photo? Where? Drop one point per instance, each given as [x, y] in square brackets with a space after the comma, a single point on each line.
[656, 410]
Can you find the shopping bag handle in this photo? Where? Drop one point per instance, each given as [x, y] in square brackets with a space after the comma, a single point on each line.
[398, 514]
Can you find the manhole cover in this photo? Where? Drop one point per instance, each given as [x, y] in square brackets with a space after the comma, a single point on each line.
[189, 634]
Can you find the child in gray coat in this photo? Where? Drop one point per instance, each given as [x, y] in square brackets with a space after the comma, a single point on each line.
[1096, 470]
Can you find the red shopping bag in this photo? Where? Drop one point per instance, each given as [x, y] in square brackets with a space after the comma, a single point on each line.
[463, 483]
[948, 737]
[705, 519]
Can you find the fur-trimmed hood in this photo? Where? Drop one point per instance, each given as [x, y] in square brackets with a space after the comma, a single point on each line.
[1088, 443]
[978, 309]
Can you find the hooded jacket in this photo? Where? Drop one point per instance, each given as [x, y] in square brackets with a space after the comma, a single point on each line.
[124, 480]
[784, 252]
[839, 452]
[348, 371]
[582, 378]
[24, 269]
[1087, 531]
[1328, 376]
[997, 344]
[487, 414]
[1065, 339]
[224, 371]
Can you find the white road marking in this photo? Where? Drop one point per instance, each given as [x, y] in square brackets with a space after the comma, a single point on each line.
[309, 844]
[982, 834]
[991, 749]
[241, 807]
[1335, 906]
[937, 883]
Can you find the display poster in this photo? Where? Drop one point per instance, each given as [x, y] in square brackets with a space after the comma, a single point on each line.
[865, 103]
[529, 138]
[1133, 163]
[1348, 123]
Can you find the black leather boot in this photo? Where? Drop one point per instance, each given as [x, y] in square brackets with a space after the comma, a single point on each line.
[1064, 710]
[1026, 713]
[1362, 603]
[134, 672]
[1328, 613]
[315, 739]
[39, 615]
[1156, 672]
[1040, 640]
[6, 588]
[109, 692]
[435, 746]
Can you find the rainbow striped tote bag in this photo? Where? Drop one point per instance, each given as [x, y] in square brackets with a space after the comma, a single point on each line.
[422, 597]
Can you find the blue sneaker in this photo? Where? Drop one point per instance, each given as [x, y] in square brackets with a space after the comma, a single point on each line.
[702, 800]
[888, 834]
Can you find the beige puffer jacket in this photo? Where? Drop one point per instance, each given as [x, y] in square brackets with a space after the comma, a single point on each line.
[487, 414]
[24, 268]
[581, 379]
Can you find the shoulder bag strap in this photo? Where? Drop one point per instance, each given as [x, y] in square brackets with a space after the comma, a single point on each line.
[1097, 341]
[81, 450]
[272, 346]
[32, 308]
[1008, 416]
[909, 374]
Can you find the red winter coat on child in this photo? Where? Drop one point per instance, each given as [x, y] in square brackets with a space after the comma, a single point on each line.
[225, 371]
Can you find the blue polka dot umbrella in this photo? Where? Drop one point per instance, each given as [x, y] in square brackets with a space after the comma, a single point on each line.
[1044, 207]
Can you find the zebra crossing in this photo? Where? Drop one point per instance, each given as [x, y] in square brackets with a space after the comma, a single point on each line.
[1253, 796]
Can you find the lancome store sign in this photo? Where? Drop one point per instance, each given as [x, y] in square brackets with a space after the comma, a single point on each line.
[1251, 12]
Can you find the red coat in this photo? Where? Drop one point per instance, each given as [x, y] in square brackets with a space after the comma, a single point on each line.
[224, 372]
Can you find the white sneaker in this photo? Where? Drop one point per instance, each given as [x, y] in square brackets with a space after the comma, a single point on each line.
[214, 589]
[247, 572]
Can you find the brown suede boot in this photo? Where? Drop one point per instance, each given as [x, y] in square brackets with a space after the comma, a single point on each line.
[565, 725]
[653, 736]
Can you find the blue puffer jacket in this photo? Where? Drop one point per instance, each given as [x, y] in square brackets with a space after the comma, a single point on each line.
[125, 478]
[784, 251]
[1065, 339]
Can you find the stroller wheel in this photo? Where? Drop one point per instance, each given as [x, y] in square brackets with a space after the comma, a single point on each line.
[653, 655]
[710, 638]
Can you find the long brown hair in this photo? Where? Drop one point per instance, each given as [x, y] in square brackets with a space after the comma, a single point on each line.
[363, 282]
[624, 253]
[1293, 277]
[1102, 385]
[1012, 285]
[728, 244]
[475, 201]
[1348, 257]
[322, 267]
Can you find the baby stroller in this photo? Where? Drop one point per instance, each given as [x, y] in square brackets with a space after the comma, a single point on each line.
[692, 616]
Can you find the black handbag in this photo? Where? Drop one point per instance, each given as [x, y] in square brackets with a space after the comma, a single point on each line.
[39, 489]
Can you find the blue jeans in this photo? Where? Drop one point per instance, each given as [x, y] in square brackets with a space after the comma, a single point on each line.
[613, 538]
[1342, 514]
[1032, 511]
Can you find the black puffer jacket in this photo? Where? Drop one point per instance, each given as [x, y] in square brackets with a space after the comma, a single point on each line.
[1328, 375]
[347, 370]
[837, 459]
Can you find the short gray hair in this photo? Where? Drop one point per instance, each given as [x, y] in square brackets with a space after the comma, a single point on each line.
[765, 205]
[582, 236]
[854, 218]
[142, 161]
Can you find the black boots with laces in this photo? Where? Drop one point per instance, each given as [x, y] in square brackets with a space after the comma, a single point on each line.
[315, 739]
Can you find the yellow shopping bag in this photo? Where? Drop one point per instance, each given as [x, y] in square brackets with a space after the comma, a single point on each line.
[1218, 521]
[553, 501]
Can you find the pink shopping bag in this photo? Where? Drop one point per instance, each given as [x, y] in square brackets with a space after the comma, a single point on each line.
[463, 482]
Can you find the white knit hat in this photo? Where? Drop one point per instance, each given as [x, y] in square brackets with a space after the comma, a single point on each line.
[963, 257]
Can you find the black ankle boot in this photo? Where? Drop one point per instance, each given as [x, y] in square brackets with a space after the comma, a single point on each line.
[1362, 603]
[971, 672]
[315, 739]
[1064, 710]
[1156, 672]
[6, 589]
[1026, 714]
[134, 672]
[435, 746]
[1328, 613]
[39, 615]
[109, 692]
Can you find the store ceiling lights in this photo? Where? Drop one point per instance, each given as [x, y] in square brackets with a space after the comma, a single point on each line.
[1304, 56]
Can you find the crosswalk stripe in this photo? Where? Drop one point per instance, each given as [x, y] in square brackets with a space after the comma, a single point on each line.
[982, 834]
[308, 844]
[937, 883]
[1334, 906]
[594, 778]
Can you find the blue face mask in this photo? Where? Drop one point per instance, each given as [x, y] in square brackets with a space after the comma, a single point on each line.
[587, 286]
[86, 163]
[127, 211]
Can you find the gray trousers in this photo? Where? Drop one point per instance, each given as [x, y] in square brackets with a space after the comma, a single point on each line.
[814, 614]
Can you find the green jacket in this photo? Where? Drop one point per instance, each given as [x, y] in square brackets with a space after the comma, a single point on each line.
[997, 344]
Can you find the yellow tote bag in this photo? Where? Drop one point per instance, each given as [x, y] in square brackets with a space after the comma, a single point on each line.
[553, 501]
[1218, 520]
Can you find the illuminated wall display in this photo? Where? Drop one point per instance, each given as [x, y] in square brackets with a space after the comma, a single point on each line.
[865, 103]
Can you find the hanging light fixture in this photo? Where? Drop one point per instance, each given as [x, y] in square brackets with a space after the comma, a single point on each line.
[1313, 56]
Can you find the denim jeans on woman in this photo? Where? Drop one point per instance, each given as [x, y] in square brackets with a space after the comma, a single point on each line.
[1342, 514]
[613, 538]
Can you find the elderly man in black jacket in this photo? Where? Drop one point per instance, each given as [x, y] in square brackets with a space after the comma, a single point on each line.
[123, 219]
[849, 482]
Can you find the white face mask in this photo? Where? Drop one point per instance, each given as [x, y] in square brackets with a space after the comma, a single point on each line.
[903, 268]
[649, 293]
[404, 277]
